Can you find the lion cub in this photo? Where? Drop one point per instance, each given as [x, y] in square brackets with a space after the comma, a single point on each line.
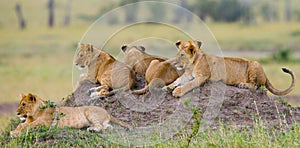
[105, 69]
[35, 112]
[138, 59]
[164, 71]
[200, 67]
[150, 66]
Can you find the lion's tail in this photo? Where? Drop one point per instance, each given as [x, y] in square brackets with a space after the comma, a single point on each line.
[115, 120]
[141, 91]
[273, 90]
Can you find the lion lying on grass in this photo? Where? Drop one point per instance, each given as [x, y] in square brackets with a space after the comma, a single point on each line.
[105, 69]
[37, 112]
[200, 67]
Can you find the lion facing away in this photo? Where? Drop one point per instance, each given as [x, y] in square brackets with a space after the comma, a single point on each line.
[36, 112]
[200, 67]
[162, 70]
[105, 69]
[138, 59]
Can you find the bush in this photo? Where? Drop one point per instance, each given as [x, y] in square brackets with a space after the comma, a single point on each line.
[282, 55]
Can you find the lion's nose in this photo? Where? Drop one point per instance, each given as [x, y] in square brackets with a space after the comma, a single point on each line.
[18, 113]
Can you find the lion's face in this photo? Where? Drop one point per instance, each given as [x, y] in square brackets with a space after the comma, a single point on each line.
[84, 55]
[26, 106]
[186, 52]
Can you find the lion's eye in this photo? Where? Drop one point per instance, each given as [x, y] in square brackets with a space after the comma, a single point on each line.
[81, 55]
[23, 104]
[182, 54]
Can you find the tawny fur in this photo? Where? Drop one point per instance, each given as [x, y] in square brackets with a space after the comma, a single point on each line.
[138, 59]
[105, 69]
[164, 71]
[200, 67]
[95, 118]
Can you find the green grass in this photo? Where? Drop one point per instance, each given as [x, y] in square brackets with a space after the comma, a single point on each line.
[223, 136]
[39, 60]
[262, 36]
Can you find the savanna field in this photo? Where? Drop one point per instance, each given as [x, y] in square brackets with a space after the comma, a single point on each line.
[39, 59]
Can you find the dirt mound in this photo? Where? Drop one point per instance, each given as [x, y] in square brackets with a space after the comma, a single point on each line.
[215, 101]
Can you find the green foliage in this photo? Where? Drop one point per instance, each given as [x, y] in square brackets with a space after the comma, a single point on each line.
[225, 10]
[225, 136]
[268, 12]
[49, 104]
[228, 11]
[282, 55]
[295, 33]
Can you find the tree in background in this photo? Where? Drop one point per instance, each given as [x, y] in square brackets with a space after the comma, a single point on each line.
[130, 14]
[158, 12]
[51, 13]
[268, 12]
[20, 17]
[205, 8]
[228, 11]
[288, 13]
[248, 16]
[67, 19]
[179, 15]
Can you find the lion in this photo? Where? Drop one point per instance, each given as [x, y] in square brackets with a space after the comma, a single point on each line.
[104, 69]
[162, 70]
[34, 112]
[200, 67]
[138, 59]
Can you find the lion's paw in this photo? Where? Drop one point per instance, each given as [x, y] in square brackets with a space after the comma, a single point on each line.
[243, 85]
[14, 133]
[177, 92]
[94, 129]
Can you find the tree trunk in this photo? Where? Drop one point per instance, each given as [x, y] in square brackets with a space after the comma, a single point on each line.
[51, 13]
[67, 19]
[288, 10]
[20, 17]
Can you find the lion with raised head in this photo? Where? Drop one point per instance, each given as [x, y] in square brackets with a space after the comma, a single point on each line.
[34, 112]
[200, 67]
[138, 59]
[104, 69]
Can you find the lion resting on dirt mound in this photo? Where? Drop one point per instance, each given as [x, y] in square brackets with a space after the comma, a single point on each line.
[200, 67]
[138, 59]
[37, 112]
[164, 71]
[105, 69]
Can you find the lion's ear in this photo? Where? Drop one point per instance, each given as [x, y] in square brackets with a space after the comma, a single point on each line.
[124, 47]
[178, 43]
[142, 47]
[31, 97]
[22, 95]
[198, 43]
[90, 47]
[80, 45]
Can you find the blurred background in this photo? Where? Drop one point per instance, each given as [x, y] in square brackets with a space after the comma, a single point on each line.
[38, 39]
